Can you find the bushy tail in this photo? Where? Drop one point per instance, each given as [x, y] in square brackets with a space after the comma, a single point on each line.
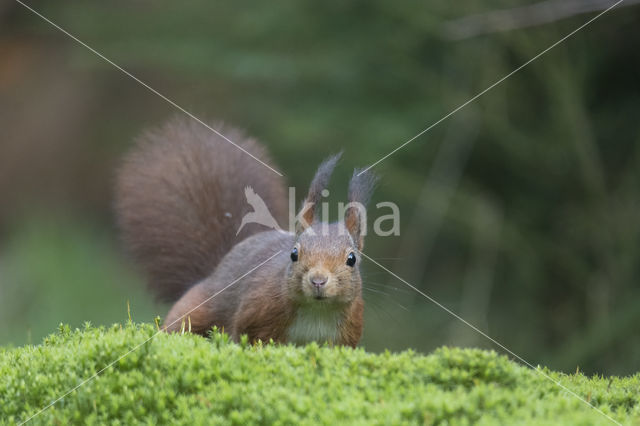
[180, 200]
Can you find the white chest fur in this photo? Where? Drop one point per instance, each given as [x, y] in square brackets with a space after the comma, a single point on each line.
[315, 323]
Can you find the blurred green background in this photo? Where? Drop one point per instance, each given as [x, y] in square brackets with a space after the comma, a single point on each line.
[520, 212]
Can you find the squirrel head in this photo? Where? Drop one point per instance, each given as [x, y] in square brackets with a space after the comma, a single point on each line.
[325, 258]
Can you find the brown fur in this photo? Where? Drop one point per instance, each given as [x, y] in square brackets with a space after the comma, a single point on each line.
[360, 189]
[173, 192]
[351, 330]
[319, 182]
[264, 303]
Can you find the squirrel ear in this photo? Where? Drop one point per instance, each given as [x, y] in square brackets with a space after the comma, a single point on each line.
[355, 219]
[320, 181]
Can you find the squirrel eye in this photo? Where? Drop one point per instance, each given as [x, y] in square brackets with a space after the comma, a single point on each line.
[294, 254]
[351, 259]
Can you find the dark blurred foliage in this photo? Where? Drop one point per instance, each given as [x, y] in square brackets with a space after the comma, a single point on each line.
[520, 212]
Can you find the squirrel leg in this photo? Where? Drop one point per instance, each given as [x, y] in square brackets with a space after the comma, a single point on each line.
[351, 330]
[191, 311]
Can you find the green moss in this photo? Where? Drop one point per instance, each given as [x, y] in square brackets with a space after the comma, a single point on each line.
[187, 379]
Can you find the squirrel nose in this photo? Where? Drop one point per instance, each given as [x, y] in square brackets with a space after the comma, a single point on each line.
[318, 280]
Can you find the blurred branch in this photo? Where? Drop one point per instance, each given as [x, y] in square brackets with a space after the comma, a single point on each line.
[437, 191]
[599, 338]
[477, 285]
[540, 13]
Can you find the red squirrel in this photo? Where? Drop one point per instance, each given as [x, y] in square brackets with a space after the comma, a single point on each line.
[179, 203]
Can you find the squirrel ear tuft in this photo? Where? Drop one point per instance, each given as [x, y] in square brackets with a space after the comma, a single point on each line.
[355, 219]
[318, 184]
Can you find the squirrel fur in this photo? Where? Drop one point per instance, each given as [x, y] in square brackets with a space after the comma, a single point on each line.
[180, 203]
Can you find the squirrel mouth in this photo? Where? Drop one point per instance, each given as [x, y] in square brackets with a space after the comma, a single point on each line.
[319, 294]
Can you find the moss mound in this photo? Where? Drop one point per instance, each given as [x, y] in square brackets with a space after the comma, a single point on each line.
[186, 379]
